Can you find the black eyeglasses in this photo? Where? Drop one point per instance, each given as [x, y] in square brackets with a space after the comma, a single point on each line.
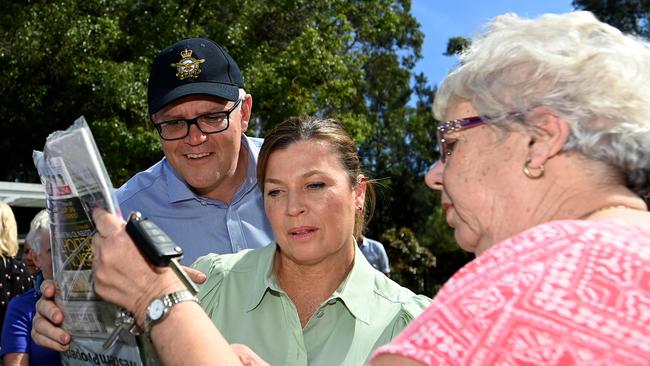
[208, 123]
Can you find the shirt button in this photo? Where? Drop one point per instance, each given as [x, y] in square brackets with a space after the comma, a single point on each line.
[320, 314]
[203, 203]
[331, 302]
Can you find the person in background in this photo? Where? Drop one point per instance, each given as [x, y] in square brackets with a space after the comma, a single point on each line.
[27, 258]
[375, 254]
[18, 348]
[311, 297]
[14, 278]
[203, 192]
[545, 155]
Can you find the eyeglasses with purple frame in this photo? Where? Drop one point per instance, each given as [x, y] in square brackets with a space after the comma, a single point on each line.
[453, 126]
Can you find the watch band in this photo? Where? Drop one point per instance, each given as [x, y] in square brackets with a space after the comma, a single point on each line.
[159, 307]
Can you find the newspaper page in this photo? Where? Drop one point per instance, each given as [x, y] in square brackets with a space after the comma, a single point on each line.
[75, 182]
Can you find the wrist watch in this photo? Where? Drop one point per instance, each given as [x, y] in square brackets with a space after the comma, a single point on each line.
[159, 307]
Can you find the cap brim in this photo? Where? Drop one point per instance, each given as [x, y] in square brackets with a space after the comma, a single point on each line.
[219, 90]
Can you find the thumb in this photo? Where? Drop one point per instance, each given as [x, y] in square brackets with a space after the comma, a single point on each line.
[196, 275]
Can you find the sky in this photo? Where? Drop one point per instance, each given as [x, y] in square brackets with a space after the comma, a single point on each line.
[443, 19]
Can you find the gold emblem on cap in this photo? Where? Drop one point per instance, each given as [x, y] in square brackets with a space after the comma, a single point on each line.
[188, 66]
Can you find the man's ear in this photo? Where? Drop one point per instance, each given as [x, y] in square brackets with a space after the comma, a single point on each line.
[246, 108]
[34, 257]
[550, 134]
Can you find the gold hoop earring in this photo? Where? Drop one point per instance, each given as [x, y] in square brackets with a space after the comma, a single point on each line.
[531, 175]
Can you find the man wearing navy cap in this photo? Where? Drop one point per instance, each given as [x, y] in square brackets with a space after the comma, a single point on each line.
[203, 192]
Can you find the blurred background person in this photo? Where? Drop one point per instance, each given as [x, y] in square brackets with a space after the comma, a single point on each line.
[375, 253]
[18, 349]
[545, 155]
[27, 258]
[14, 277]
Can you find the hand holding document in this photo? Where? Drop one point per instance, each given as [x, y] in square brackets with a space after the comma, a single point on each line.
[76, 181]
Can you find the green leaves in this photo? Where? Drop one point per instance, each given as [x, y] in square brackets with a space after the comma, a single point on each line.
[331, 57]
[456, 45]
[410, 261]
[130, 149]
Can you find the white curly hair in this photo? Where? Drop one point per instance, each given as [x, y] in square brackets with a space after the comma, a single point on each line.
[589, 73]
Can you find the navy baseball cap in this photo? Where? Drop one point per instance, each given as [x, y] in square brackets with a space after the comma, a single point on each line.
[192, 66]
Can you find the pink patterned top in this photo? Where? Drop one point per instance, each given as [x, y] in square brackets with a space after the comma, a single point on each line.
[561, 293]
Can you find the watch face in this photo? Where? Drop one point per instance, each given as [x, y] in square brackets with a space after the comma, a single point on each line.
[156, 309]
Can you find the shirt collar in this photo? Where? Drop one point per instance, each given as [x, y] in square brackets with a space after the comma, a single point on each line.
[250, 182]
[265, 271]
[178, 190]
[358, 287]
[355, 291]
[364, 242]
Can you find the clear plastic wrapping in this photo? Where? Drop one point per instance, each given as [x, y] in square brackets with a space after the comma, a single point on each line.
[76, 181]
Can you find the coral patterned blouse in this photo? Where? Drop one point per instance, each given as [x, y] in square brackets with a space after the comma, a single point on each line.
[561, 293]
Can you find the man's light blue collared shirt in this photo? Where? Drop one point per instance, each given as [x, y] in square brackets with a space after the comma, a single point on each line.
[200, 225]
[375, 254]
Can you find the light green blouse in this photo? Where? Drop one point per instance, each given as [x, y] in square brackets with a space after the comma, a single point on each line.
[244, 300]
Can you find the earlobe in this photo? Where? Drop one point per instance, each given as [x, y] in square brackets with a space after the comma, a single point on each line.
[360, 191]
[551, 133]
[35, 259]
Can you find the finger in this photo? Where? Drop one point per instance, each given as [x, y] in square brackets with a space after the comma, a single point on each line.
[106, 223]
[48, 289]
[247, 356]
[49, 310]
[46, 307]
[48, 335]
[196, 275]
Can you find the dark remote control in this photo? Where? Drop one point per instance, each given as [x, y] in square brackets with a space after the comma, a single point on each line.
[154, 244]
[159, 249]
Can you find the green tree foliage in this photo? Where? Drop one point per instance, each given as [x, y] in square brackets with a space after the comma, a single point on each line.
[349, 59]
[630, 16]
[456, 45]
[411, 262]
[92, 57]
[65, 59]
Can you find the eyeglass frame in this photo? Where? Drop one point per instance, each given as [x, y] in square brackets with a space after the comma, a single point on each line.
[195, 121]
[454, 126]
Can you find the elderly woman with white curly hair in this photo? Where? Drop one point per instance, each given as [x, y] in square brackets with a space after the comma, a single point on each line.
[545, 156]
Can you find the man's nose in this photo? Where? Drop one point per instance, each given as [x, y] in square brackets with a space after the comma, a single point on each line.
[195, 136]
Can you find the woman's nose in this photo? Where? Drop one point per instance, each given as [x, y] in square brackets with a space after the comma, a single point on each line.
[295, 205]
[433, 179]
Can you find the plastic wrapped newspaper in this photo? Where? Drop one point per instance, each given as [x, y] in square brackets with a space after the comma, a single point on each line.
[76, 181]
